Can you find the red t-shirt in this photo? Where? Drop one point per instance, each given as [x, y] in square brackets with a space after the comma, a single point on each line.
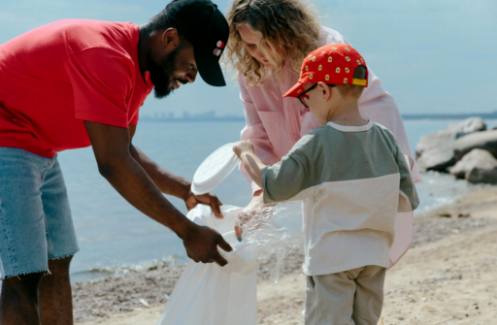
[57, 76]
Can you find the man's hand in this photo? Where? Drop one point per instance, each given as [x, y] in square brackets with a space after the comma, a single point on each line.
[201, 245]
[192, 200]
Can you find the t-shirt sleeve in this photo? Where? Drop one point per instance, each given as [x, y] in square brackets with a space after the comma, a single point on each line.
[290, 176]
[101, 81]
[134, 118]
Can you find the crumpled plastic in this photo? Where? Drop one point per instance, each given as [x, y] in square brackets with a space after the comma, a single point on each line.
[209, 294]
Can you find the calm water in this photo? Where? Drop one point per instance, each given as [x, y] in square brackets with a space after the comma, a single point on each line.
[403, 41]
[112, 233]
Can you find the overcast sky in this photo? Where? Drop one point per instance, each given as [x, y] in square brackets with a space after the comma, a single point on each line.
[432, 55]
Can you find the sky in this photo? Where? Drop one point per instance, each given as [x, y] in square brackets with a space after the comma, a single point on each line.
[433, 56]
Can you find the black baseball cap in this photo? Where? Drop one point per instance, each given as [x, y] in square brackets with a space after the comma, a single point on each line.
[202, 24]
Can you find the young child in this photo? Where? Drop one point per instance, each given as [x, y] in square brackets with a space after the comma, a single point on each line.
[352, 178]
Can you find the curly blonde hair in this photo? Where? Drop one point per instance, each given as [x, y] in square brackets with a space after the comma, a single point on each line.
[286, 25]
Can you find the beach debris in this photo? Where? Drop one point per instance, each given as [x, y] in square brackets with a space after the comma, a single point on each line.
[445, 215]
[454, 215]
[203, 292]
[238, 232]
[143, 302]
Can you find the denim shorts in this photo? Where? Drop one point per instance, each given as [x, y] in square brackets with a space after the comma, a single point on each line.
[35, 219]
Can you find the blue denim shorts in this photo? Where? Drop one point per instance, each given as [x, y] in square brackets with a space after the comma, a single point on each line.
[35, 219]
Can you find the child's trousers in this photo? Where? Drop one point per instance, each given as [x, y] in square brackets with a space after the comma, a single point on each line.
[349, 297]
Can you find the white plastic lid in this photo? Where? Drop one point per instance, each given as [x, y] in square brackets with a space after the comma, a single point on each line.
[214, 169]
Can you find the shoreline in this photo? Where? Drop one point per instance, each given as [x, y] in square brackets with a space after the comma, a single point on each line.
[438, 190]
[445, 277]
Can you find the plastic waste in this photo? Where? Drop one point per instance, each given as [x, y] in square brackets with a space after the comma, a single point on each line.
[209, 294]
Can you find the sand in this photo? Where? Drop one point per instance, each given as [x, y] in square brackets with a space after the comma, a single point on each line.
[449, 276]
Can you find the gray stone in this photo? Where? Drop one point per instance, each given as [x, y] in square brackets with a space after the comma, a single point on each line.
[468, 126]
[477, 158]
[436, 151]
[487, 176]
[486, 140]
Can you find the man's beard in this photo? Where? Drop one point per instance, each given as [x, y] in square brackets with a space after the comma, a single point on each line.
[161, 74]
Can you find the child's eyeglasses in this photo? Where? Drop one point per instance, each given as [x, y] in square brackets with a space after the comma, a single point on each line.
[302, 97]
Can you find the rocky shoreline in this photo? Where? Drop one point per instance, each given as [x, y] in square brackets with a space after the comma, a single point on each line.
[467, 150]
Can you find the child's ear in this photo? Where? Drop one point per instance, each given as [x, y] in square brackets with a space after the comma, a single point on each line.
[325, 90]
[322, 87]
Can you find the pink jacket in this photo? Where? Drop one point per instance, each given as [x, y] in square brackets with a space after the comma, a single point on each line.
[274, 123]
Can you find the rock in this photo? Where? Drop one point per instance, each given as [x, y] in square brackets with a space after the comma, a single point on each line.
[459, 129]
[436, 151]
[468, 126]
[438, 155]
[486, 140]
[477, 158]
[485, 176]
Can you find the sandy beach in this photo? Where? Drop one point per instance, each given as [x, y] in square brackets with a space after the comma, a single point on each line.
[448, 277]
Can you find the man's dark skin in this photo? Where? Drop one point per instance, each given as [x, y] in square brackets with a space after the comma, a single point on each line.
[46, 298]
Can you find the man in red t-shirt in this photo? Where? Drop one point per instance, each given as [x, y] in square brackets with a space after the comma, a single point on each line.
[76, 83]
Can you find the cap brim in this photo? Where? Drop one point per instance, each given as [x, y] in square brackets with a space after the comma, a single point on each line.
[296, 90]
[209, 69]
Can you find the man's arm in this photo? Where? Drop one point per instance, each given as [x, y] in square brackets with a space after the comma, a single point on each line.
[166, 182]
[111, 146]
[169, 183]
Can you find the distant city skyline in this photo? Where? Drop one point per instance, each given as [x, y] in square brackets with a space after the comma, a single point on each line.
[215, 116]
[433, 57]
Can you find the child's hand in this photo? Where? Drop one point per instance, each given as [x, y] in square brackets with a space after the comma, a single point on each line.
[250, 162]
[243, 146]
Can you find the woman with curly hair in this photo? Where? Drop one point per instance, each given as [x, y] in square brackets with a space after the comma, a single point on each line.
[268, 41]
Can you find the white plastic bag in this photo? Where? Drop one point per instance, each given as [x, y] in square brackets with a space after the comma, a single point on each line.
[208, 294]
